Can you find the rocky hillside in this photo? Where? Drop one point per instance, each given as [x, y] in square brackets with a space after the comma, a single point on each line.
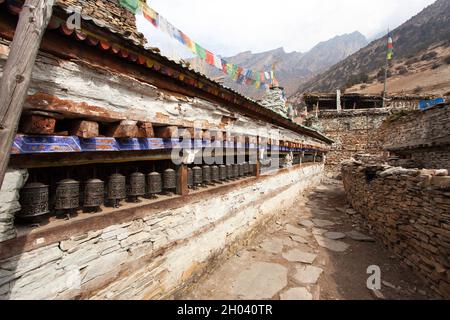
[419, 43]
[291, 68]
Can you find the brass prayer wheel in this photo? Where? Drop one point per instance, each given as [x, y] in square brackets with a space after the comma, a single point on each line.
[169, 179]
[223, 172]
[215, 174]
[94, 193]
[198, 176]
[246, 168]
[154, 183]
[136, 187]
[67, 196]
[33, 200]
[229, 171]
[116, 188]
[241, 170]
[190, 181]
[235, 171]
[206, 174]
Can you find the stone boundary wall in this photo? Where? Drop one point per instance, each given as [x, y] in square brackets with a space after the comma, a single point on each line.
[409, 210]
[353, 132]
[417, 129]
[155, 257]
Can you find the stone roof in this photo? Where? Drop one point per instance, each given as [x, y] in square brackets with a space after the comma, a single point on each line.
[110, 14]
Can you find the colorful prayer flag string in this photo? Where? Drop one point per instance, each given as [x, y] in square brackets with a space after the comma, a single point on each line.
[258, 79]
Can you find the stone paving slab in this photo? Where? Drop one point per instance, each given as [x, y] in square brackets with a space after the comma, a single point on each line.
[333, 245]
[358, 236]
[334, 235]
[307, 274]
[323, 223]
[296, 294]
[273, 245]
[297, 231]
[261, 280]
[296, 255]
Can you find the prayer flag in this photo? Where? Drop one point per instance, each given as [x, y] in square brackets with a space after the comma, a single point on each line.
[390, 48]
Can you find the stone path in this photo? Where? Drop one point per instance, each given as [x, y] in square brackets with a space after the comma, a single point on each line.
[313, 251]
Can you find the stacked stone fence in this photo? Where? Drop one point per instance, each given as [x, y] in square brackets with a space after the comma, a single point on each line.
[409, 210]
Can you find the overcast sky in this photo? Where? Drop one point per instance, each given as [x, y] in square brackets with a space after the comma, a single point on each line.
[232, 26]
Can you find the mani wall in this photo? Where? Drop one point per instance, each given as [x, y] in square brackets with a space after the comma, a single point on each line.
[153, 253]
[409, 210]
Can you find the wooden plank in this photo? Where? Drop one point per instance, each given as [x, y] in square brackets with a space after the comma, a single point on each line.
[82, 158]
[15, 81]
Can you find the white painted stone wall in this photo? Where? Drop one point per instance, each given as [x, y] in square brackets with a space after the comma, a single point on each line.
[122, 259]
[9, 201]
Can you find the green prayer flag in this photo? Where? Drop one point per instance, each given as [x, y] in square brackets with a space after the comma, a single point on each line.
[130, 5]
[201, 52]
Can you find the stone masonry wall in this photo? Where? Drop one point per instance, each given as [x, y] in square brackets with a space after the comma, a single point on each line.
[9, 202]
[409, 210]
[421, 139]
[419, 128]
[154, 257]
[353, 132]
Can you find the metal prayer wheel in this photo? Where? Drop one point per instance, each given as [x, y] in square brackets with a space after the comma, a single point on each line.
[229, 171]
[215, 174]
[223, 172]
[94, 193]
[253, 169]
[136, 187]
[206, 174]
[154, 183]
[190, 181]
[235, 171]
[169, 179]
[246, 168]
[33, 200]
[67, 196]
[198, 176]
[241, 170]
[116, 188]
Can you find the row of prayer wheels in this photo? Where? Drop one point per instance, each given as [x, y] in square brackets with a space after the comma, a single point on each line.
[70, 194]
[207, 175]
[34, 198]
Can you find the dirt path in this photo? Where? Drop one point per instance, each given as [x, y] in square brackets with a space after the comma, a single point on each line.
[298, 259]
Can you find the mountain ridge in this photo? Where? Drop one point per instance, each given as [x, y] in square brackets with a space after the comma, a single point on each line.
[412, 39]
[292, 68]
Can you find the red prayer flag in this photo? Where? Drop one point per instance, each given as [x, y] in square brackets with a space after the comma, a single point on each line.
[209, 57]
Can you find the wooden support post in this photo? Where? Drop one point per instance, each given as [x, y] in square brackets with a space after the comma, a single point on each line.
[182, 180]
[33, 21]
[258, 163]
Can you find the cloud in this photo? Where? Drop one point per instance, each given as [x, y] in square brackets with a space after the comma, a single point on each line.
[233, 26]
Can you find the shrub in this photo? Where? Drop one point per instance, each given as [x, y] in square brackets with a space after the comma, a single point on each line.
[418, 89]
[402, 70]
[447, 60]
[435, 65]
[411, 61]
[429, 56]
